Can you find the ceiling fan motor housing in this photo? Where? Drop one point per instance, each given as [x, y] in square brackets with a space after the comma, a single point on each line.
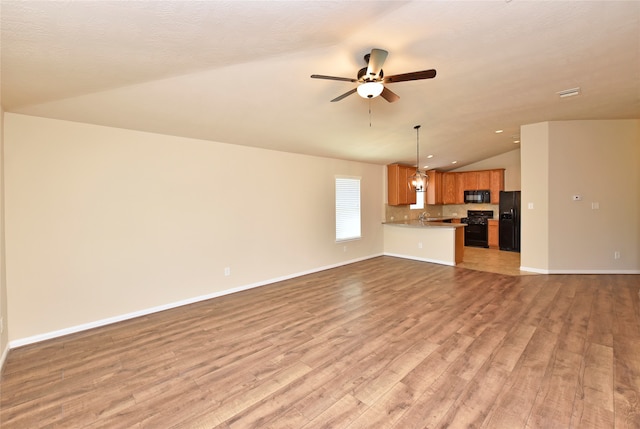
[363, 77]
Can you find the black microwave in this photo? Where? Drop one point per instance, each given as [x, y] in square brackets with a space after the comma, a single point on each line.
[475, 197]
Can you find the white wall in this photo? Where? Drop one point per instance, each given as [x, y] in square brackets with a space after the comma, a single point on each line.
[104, 222]
[600, 161]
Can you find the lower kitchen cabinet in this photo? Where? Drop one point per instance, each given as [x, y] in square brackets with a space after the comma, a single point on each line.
[494, 242]
[496, 184]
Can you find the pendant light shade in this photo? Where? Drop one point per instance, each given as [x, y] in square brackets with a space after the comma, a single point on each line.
[370, 89]
[419, 180]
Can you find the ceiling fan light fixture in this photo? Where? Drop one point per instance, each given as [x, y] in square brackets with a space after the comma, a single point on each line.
[370, 89]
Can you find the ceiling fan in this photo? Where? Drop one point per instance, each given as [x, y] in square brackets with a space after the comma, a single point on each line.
[371, 79]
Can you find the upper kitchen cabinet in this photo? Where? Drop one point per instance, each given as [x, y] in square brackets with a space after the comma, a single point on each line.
[481, 180]
[449, 187]
[476, 180]
[451, 193]
[434, 188]
[470, 180]
[484, 179]
[398, 192]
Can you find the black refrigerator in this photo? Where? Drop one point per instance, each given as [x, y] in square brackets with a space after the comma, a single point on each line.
[509, 221]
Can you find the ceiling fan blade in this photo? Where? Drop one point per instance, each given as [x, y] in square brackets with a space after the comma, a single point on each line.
[345, 79]
[346, 94]
[425, 74]
[389, 95]
[376, 60]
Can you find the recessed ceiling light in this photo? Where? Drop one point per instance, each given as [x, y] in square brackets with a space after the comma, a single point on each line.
[454, 162]
[499, 131]
[425, 167]
[516, 141]
[429, 156]
[569, 92]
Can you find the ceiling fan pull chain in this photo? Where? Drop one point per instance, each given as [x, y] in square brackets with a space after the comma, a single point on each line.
[369, 113]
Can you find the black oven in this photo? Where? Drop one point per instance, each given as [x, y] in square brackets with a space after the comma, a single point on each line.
[476, 233]
[476, 197]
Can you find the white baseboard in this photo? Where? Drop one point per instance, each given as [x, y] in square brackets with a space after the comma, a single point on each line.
[534, 270]
[415, 258]
[103, 322]
[572, 271]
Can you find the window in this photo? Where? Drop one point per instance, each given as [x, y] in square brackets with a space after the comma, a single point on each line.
[419, 201]
[347, 208]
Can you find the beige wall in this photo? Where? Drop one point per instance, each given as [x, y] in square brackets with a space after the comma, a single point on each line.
[434, 244]
[600, 161]
[534, 223]
[4, 336]
[104, 222]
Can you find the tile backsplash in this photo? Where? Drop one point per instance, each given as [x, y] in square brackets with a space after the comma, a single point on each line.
[454, 210]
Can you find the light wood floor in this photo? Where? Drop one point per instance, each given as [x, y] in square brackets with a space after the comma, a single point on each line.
[493, 261]
[383, 343]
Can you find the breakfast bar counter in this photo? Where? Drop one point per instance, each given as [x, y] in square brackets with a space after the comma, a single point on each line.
[436, 242]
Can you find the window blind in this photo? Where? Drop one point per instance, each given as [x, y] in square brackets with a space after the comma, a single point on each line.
[347, 208]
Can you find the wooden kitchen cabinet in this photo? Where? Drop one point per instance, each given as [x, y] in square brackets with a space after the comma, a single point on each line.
[449, 188]
[460, 188]
[494, 242]
[476, 180]
[398, 192]
[434, 187]
[484, 179]
[470, 180]
[496, 184]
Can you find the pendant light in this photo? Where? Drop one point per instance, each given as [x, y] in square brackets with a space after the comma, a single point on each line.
[419, 180]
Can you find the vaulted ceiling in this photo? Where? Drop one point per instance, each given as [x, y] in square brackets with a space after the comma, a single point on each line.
[239, 71]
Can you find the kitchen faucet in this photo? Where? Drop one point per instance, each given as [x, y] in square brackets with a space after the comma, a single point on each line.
[423, 216]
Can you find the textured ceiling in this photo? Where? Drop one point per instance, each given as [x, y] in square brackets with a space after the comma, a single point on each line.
[238, 71]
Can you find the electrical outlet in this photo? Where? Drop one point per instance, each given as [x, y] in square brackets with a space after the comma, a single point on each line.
[616, 255]
[420, 245]
[227, 271]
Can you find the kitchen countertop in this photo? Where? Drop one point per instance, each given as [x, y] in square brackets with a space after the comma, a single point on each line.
[440, 218]
[415, 223]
